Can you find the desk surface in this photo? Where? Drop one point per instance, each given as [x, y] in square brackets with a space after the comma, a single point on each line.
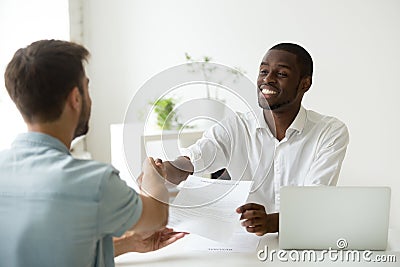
[178, 254]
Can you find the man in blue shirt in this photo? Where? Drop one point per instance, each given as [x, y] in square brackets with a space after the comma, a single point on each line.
[57, 210]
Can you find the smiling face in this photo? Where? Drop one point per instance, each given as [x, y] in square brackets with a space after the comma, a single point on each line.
[279, 85]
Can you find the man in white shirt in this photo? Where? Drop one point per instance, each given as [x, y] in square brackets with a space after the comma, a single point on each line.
[283, 144]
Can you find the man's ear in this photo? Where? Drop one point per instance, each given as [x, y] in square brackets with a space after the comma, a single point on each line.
[75, 98]
[305, 84]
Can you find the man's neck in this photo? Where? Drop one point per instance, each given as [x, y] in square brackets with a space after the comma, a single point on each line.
[279, 121]
[54, 129]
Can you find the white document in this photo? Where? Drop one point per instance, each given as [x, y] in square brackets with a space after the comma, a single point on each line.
[241, 241]
[207, 207]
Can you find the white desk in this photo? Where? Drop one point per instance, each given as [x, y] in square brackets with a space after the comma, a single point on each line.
[178, 254]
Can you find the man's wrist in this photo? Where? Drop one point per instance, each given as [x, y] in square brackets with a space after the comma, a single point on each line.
[273, 223]
[120, 246]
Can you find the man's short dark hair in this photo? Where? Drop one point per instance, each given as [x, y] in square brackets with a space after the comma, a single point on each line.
[303, 57]
[40, 77]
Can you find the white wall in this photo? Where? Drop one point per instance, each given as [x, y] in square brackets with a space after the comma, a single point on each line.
[354, 43]
[21, 23]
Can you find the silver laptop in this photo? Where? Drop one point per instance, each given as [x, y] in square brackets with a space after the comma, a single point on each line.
[323, 217]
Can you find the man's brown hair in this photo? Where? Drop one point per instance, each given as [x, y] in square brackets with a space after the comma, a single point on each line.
[40, 77]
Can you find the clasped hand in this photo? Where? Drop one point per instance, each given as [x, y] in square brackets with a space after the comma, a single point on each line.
[256, 220]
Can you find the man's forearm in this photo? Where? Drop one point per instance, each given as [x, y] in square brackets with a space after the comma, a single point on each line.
[153, 181]
[155, 188]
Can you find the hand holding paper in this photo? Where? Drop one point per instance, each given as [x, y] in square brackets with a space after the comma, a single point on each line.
[207, 207]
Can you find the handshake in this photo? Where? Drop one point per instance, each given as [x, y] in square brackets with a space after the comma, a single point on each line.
[172, 172]
[150, 232]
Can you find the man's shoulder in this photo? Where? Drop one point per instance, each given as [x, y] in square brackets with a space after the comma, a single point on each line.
[249, 119]
[325, 122]
[319, 118]
[84, 179]
[92, 167]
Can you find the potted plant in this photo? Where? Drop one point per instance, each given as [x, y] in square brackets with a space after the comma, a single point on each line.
[167, 118]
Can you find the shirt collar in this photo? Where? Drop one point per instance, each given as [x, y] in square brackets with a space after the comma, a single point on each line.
[37, 139]
[299, 121]
[261, 123]
[260, 119]
[297, 124]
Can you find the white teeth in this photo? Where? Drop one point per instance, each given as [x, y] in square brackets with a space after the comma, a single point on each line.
[268, 92]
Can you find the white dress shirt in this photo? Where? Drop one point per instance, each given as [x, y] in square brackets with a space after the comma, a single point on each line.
[311, 153]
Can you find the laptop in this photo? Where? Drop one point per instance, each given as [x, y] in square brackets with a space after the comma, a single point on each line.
[323, 217]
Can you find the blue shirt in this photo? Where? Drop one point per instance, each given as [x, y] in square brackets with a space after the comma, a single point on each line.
[56, 210]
